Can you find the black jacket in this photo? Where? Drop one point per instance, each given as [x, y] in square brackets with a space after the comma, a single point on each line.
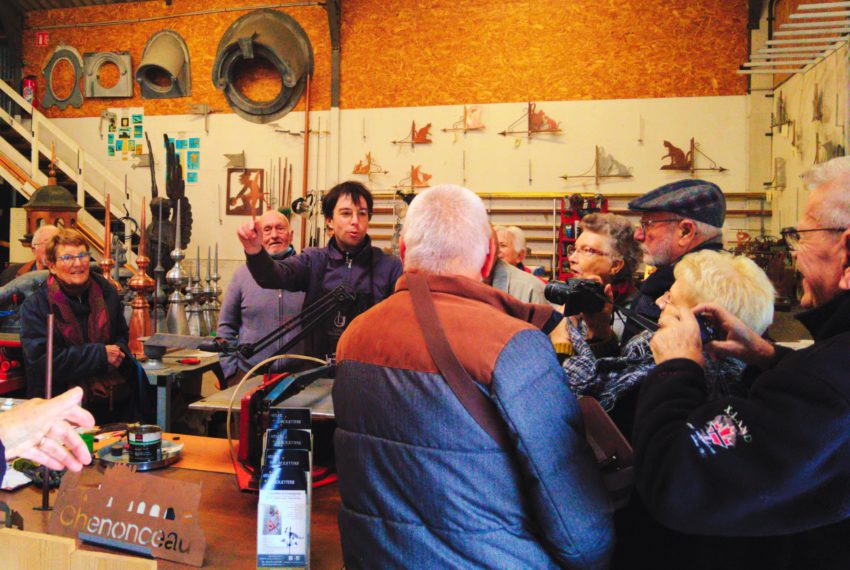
[775, 463]
[653, 287]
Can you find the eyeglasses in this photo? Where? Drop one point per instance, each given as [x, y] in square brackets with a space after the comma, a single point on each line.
[792, 235]
[588, 252]
[349, 214]
[645, 224]
[69, 259]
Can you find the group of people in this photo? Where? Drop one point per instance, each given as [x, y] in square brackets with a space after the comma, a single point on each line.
[741, 446]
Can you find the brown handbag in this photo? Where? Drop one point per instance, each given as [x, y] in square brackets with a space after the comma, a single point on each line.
[613, 453]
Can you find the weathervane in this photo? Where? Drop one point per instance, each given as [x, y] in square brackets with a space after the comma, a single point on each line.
[604, 166]
[416, 136]
[537, 123]
[471, 121]
[686, 162]
[417, 179]
[369, 167]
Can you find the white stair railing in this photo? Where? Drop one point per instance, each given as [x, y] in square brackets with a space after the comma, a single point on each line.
[90, 175]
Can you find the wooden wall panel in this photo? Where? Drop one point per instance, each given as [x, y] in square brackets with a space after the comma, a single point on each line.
[439, 52]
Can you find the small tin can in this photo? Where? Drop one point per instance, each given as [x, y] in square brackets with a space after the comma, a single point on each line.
[145, 443]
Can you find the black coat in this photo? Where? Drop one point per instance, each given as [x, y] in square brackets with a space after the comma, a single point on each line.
[771, 469]
[73, 364]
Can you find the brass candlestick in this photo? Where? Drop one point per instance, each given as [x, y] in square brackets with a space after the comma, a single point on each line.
[142, 284]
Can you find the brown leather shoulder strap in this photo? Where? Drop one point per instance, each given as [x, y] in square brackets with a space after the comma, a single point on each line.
[479, 406]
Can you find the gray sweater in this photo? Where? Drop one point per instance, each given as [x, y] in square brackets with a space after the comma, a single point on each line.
[250, 312]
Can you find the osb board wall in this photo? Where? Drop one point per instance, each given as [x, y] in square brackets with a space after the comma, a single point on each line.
[441, 52]
[201, 33]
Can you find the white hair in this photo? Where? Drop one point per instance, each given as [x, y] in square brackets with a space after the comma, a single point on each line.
[735, 283]
[832, 178]
[446, 232]
[516, 233]
[42, 230]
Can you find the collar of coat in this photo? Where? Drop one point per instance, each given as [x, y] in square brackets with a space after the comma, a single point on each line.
[543, 317]
[828, 320]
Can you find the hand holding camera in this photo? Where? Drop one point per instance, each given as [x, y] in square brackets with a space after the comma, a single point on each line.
[733, 338]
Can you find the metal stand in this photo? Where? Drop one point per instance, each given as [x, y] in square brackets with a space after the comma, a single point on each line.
[48, 392]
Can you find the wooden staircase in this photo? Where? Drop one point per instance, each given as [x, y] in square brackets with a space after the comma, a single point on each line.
[25, 147]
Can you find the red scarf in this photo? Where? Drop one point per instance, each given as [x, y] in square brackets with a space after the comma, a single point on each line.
[65, 320]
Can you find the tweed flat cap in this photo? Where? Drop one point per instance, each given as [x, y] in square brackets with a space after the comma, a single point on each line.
[695, 199]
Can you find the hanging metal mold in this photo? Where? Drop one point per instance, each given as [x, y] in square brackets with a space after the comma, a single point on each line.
[165, 72]
[70, 55]
[94, 64]
[282, 42]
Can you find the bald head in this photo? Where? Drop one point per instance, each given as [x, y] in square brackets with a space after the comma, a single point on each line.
[39, 243]
[275, 232]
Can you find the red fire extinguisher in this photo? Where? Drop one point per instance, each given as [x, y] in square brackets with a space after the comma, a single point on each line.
[30, 90]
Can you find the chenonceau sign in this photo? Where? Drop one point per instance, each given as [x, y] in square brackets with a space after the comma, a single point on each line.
[131, 511]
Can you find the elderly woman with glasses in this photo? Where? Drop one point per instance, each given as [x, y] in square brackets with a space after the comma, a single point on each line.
[606, 252]
[735, 283]
[90, 335]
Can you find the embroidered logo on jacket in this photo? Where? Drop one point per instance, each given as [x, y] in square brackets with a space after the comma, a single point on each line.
[722, 432]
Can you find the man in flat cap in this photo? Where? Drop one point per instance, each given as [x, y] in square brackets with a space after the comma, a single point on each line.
[676, 219]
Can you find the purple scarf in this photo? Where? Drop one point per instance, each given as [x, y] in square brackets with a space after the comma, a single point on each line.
[66, 322]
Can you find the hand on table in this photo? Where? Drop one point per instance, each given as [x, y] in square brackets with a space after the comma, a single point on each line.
[41, 430]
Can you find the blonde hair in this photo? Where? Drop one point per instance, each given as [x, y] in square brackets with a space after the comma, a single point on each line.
[735, 283]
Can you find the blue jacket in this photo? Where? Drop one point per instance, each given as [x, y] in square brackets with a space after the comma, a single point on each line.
[422, 484]
[249, 312]
[368, 272]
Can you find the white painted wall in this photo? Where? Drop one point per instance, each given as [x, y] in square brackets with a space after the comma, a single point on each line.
[493, 163]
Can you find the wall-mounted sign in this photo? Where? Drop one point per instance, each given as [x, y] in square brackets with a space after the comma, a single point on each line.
[42, 39]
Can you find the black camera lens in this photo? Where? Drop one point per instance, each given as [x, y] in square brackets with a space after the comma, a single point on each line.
[577, 295]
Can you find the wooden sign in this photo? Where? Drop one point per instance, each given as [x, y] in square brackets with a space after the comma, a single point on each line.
[131, 511]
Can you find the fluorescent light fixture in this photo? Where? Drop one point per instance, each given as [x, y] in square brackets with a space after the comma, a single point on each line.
[824, 24]
[813, 32]
[813, 15]
[824, 6]
[767, 71]
[775, 63]
[804, 41]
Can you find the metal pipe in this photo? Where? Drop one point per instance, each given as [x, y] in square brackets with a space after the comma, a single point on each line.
[174, 16]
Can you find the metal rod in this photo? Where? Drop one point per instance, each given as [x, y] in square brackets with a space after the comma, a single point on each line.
[814, 32]
[48, 393]
[174, 16]
[306, 157]
[805, 40]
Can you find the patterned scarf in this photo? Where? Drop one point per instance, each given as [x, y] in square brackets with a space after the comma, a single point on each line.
[67, 323]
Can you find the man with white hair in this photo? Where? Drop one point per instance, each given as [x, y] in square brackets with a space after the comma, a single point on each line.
[38, 244]
[249, 312]
[481, 462]
[771, 468]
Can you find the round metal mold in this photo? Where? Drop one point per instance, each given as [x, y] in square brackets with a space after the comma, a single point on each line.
[165, 55]
[67, 53]
[280, 40]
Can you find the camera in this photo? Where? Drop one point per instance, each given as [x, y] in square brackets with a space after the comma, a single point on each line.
[577, 295]
[707, 332]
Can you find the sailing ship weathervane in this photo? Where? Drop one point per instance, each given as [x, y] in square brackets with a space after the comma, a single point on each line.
[471, 121]
[369, 167]
[536, 123]
[686, 162]
[604, 166]
[416, 136]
